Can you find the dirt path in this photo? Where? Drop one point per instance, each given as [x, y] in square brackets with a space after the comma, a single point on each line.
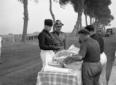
[21, 75]
[21, 63]
[22, 68]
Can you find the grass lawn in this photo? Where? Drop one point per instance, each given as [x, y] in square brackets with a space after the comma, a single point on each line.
[21, 63]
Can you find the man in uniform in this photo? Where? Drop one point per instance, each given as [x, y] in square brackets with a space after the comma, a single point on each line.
[58, 35]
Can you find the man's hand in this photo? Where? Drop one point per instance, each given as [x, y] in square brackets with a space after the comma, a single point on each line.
[69, 60]
[72, 59]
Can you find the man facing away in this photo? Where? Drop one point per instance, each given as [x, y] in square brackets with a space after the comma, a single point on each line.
[58, 35]
[96, 36]
[90, 54]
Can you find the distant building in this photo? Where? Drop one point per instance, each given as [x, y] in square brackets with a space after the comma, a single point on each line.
[33, 36]
[17, 37]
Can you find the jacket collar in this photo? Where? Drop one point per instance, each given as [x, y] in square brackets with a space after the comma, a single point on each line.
[56, 32]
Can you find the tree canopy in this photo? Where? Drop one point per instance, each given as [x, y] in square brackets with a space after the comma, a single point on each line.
[77, 4]
[98, 9]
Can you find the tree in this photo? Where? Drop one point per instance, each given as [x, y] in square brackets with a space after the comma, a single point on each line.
[26, 18]
[78, 6]
[51, 12]
[25, 25]
[91, 8]
[86, 18]
[104, 17]
[99, 10]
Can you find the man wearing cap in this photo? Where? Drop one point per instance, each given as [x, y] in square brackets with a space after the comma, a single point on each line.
[90, 54]
[96, 36]
[58, 35]
[46, 41]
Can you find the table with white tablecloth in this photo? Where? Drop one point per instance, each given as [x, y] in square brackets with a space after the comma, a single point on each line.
[56, 78]
[52, 72]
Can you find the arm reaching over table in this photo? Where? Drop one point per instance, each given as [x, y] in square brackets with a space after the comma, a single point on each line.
[77, 57]
[70, 60]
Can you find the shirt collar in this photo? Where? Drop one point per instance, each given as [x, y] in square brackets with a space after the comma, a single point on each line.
[45, 31]
[56, 32]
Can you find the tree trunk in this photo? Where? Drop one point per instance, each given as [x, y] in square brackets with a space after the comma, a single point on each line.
[90, 20]
[86, 19]
[80, 21]
[96, 23]
[51, 12]
[93, 20]
[25, 25]
[78, 25]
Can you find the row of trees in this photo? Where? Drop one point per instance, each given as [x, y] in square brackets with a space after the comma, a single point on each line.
[97, 10]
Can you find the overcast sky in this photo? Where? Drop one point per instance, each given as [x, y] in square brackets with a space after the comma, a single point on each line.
[11, 16]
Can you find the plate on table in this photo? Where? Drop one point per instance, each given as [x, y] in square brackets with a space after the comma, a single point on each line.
[64, 53]
[59, 58]
[54, 64]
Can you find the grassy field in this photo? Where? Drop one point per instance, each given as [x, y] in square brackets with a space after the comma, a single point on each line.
[21, 63]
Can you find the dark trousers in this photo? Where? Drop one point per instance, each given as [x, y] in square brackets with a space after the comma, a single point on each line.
[91, 73]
